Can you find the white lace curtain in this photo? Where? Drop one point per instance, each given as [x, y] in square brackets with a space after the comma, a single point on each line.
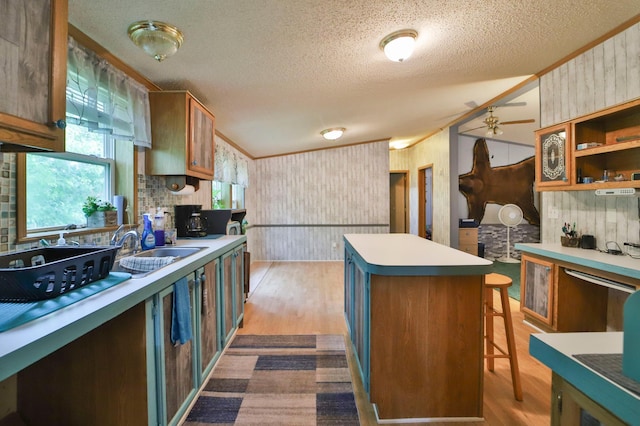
[230, 166]
[104, 99]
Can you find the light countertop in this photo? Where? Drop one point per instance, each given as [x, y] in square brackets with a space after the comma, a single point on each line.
[407, 254]
[617, 264]
[557, 350]
[27, 343]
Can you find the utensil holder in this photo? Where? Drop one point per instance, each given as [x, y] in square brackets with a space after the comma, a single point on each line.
[570, 241]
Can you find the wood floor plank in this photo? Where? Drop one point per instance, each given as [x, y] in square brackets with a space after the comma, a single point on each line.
[307, 298]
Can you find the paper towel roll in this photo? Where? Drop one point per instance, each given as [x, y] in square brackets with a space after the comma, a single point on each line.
[118, 201]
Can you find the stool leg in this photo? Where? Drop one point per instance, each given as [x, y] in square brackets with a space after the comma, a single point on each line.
[511, 344]
[488, 321]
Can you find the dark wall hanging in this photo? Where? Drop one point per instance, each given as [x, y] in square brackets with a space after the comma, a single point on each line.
[512, 184]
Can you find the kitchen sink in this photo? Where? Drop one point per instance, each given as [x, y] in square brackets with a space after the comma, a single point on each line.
[146, 262]
[169, 251]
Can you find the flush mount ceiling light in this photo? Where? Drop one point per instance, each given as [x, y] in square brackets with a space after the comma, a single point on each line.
[158, 39]
[399, 45]
[333, 133]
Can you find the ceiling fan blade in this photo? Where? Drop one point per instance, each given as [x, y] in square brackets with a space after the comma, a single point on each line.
[471, 130]
[513, 104]
[530, 120]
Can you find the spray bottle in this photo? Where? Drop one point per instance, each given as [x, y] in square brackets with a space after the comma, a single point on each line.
[158, 227]
[148, 239]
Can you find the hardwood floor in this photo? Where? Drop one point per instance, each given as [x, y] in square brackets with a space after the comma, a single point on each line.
[307, 298]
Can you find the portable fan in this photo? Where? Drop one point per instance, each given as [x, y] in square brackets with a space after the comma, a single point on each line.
[510, 215]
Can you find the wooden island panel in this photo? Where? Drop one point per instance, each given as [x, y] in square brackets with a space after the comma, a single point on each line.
[426, 346]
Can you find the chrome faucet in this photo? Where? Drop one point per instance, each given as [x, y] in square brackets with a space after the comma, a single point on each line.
[114, 238]
[133, 234]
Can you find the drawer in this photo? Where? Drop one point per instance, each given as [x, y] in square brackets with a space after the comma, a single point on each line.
[469, 248]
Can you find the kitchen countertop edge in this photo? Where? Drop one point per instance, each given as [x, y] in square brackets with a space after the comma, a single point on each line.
[556, 352]
[23, 345]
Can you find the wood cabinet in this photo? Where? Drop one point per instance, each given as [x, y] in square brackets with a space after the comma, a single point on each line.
[555, 300]
[183, 136]
[127, 371]
[537, 288]
[177, 364]
[411, 330]
[231, 292]
[33, 59]
[208, 309]
[553, 157]
[617, 131]
[605, 140]
[468, 240]
[570, 407]
[356, 305]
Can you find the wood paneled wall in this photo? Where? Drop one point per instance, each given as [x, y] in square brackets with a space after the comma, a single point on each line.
[606, 75]
[434, 150]
[302, 204]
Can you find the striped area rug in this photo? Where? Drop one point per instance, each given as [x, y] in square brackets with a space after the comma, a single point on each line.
[279, 380]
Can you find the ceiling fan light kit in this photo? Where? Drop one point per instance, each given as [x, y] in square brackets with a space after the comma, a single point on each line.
[158, 39]
[398, 46]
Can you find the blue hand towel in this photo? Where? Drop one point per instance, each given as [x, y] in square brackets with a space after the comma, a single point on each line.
[181, 318]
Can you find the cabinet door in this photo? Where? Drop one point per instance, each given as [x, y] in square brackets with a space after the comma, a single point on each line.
[537, 289]
[177, 364]
[553, 157]
[226, 298]
[571, 407]
[207, 310]
[33, 59]
[201, 142]
[238, 285]
[361, 321]
[348, 292]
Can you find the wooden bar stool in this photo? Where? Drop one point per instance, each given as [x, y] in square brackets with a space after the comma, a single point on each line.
[502, 283]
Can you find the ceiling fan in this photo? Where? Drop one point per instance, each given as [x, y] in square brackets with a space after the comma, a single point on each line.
[492, 123]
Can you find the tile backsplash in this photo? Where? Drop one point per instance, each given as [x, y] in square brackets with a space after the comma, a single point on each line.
[152, 193]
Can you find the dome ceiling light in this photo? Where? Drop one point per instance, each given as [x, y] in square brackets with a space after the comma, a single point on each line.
[158, 39]
[333, 133]
[398, 46]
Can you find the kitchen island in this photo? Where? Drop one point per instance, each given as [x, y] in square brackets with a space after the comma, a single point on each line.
[414, 313]
[108, 359]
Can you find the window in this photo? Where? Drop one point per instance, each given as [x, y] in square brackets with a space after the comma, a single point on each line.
[58, 183]
[227, 195]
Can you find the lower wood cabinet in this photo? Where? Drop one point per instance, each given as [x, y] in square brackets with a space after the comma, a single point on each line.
[207, 308]
[570, 407]
[537, 288]
[555, 300]
[231, 292]
[176, 364]
[127, 371]
[468, 240]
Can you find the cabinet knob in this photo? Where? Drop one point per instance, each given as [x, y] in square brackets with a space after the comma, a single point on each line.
[194, 163]
[60, 124]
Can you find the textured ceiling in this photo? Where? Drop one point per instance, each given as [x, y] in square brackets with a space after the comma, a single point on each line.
[277, 72]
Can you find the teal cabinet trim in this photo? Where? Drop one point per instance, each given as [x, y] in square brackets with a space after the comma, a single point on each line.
[619, 402]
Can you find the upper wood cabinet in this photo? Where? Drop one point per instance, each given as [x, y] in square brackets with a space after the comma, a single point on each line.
[182, 136]
[33, 59]
[605, 140]
[553, 157]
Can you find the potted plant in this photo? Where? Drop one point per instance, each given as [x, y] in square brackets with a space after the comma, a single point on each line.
[99, 213]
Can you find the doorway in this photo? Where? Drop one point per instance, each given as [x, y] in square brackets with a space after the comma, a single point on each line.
[398, 201]
[425, 201]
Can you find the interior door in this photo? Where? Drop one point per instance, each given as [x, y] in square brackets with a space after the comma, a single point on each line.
[425, 202]
[398, 202]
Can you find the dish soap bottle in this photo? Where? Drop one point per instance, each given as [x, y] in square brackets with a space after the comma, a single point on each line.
[158, 227]
[148, 239]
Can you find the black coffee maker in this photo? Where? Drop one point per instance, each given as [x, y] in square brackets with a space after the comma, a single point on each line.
[183, 220]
